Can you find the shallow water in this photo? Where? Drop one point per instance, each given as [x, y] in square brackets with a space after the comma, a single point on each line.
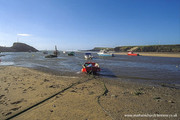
[161, 70]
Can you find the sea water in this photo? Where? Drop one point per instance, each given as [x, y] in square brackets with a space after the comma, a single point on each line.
[132, 68]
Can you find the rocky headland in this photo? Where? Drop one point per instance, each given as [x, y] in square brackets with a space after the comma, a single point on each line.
[18, 47]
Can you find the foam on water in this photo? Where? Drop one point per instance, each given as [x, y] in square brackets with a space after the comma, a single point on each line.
[6, 63]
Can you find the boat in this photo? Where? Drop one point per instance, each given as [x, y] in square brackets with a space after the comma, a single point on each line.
[1, 55]
[50, 56]
[105, 53]
[56, 52]
[90, 68]
[71, 54]
[130, 53]
[88, 56]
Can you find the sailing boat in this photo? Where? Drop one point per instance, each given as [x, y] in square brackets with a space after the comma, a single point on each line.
[56, 53]
[105, 53]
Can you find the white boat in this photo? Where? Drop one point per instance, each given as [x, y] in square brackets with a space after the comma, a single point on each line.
[105, 53]
[45, 52]
[88, 56]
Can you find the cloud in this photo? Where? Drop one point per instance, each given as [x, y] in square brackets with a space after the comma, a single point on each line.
[24, 34]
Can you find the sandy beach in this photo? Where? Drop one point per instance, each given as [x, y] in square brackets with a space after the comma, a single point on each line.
[34, 95]
[157, 54]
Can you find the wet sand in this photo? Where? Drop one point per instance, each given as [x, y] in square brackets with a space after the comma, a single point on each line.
[82, 97]
[157, 54]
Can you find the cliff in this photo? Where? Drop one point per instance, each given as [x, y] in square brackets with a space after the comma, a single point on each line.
[18, 47]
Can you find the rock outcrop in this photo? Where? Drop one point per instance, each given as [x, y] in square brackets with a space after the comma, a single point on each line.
[18, 47]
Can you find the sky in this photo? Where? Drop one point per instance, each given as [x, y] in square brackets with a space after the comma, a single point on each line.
[85, 24]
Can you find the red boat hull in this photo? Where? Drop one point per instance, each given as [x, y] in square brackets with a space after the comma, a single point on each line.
[130, 53]
[90, 67]
[133, 54]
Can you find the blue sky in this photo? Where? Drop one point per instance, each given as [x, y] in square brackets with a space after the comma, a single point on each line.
[85, 24]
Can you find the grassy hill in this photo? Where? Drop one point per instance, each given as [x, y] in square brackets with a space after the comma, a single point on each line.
[102, 48]
[150, 48]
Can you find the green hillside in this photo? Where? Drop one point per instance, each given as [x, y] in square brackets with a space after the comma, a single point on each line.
[150, 48]
[102, 48]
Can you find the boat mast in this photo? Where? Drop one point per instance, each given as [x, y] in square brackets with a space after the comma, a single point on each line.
[55, 52]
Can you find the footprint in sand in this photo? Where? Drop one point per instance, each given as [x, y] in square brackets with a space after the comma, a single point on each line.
[6, 114]
[24, 91]
[2, 102]
[31, 88]
[6, 89]
[14, 109]
[17, 102]
[73, 91]
[1, 96]
[9, 84]
[54, 86]
[45, 80]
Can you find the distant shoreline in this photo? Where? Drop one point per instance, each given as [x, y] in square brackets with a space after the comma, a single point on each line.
[18, 47]
[157, 54]
[144, 48]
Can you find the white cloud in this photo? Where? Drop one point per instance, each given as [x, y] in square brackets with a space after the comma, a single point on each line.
[24, 34]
